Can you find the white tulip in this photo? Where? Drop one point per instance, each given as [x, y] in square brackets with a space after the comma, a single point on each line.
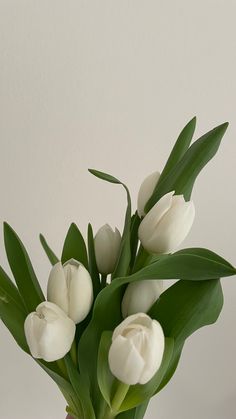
[137, 349]
[167, 224]
[146, 191]
[139, 296]
[49, 332]
[70, 287]
[107, 246]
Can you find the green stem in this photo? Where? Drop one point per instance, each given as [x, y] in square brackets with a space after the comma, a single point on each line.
[119, 396]
[61, 365]
[103, 280]
[73, 353]
[141, 259]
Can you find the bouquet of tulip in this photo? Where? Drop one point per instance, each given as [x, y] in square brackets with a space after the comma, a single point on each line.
[108, 334]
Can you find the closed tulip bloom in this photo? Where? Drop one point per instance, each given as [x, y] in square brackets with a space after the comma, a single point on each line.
[167, 224]
[139, 296]
[49, 332]
[137, 349]
[107, 246]
[146, 191]
[70, 287]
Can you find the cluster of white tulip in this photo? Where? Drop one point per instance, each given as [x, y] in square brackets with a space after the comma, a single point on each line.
[137, 345]
[50, 330]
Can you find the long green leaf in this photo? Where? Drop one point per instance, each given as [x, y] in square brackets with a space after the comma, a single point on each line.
[63, 384]
[8, 291]
[104, 375]
[182, 177]
[22, 269]
[136, 413]
[50, 254]
[92, 262]
[104, 176]
[180, 148]
[194, 264]
[74, 246]
[124, 257]
[12, 310]
[188, 305]
[184, 308]
[80, 388]
[135, 222]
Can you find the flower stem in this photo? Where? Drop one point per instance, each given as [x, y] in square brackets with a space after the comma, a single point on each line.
[119, 396]
[61, 365]
[103, 280]
[73, 353]
[141, 259]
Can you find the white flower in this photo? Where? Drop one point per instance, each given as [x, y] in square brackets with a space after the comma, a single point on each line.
[139, 296]
[137, 349]
[49, 332]
[70, 287]
[107, 246]
[167, 224]
[146, 191]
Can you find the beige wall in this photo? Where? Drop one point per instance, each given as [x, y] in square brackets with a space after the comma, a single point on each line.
[109, 84]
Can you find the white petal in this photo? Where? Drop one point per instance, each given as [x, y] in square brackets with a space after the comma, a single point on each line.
[140, 296]
[102, 244]
[57, 339]
[125, 362]
[151, 220]
[33, 329]
[80, 295]
[57, 287]
[49, 332]
[146, 190]
[153, 352]
[173, 228]
[140, 319]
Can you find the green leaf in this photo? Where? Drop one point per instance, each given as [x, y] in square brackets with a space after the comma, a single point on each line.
[74, 246]
[124, 257]
[184, 308]
[123, 261]
[50, 254]
[135, 222]
[92, 262]
[80, 387]
[9, 292]
[63, 384]
[180, 148]
[104, 375]
[183, 175]
[192, 264]
[177, 351]
[136, 413]
[12, 310]
[140, 393]
[22, 269]
[104, 176]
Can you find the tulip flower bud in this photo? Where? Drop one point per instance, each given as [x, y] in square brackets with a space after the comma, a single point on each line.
[49, 332]
[107, 246]
[70, 287]
[137, 349]
[139, 296]
[167, 224]
[146, 191]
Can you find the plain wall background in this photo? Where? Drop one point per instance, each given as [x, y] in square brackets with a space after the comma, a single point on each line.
[109, 84]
